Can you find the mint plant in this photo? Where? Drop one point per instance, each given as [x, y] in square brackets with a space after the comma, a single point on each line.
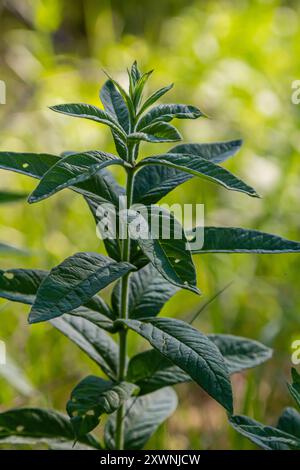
[285, 436]
[137, 393]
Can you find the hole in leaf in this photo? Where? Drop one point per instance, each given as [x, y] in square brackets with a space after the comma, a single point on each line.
[177, 261]
[20, 428]
[8, 275]
[25, 165]
[90, 413]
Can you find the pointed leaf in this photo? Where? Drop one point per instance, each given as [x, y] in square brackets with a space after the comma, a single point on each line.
[151, 371]
[154, 97]
[266, 437]
[73, 282]
[135, 73]
[21, 285]
[41, 425]
[198, 166]
[154, 182]
[156, 132]
[165, 245]
[216, 152]
[114, 104]
[71, 170]
[143, 416]
[147, 293]
[289, 422]
[97, 344]
[241, 240]
[167, 112]
[241, 353]
[93, 113]
[139, 87]
[190, 350]
[94, 396]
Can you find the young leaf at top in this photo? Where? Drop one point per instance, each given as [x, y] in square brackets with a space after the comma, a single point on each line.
[163, 242]
[156, 132]
[95, 342]
[154, 97]
[190, 350]
[93, 397]
[241, 240]
[143, 415]
[266, 437]
[73, 282]
[115, 105]
[37, 425]
[167, 112]
[71, 170]
[147, 293]
[199, 166]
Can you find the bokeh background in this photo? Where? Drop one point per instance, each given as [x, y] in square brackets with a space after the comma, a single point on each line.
[236, 60]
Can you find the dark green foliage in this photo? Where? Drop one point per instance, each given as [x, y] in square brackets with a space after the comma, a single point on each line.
[148, 270]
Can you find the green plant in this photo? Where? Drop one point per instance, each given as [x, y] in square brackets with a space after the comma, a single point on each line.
[148, 270]
[285, 436]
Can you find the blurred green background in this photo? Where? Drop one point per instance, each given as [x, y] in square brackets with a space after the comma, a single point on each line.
[236, 61]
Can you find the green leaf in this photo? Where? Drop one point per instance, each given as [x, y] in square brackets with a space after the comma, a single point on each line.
[294, 388]
[139, 87]
[151, 371]
[36, 165]
[115, 105]
[190, 350]
[165, 245]
[73, 282]
[124, 95]
[9, 196]
[31, 164]
[289, 422]
[266, 437]
[97, 344]
[38, 425]
[93, 113]
[240, 353]
[143, 416]
[135, 74]
[71, 170]
[156, 132]
[167, 112]
[154, 97]
[216, 152]
[241, 240]
[154, 182]
[148, 291]
[94, 396]
[21, 285]
[200, 167]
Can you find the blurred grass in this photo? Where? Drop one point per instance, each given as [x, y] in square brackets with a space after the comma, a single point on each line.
[236, 60]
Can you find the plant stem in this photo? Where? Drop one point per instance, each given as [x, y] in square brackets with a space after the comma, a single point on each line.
[119, 437]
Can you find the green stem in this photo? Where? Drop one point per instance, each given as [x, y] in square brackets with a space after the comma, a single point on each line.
[119, 437]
